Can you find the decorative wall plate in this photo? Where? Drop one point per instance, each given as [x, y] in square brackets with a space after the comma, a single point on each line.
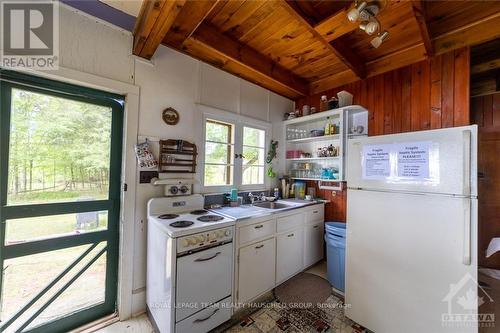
[170, 116]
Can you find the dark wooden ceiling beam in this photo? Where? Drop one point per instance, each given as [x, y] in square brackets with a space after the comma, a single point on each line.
[188, 20]
[337, 47]
[154, 21]
[419, 12]
[478, 32]
[222, 48]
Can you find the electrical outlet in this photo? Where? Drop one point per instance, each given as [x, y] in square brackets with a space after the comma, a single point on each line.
[146, 176]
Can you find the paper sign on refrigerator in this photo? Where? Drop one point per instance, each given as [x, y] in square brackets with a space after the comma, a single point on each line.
[376, 161]
[413, 159]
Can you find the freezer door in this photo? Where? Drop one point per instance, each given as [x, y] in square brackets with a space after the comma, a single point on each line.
[437, 161]
[411, 261]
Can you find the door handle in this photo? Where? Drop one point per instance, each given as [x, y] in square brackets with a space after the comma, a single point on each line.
[291, 235]
[259, 246]
[209, 258]
[316, 227]
[467, 162]
[467, 236]
[206, 318]
[258, 226]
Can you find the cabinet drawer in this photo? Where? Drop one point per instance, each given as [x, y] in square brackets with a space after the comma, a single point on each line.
[256, 231]
[206, 319]
[316, 215]
[289, 222]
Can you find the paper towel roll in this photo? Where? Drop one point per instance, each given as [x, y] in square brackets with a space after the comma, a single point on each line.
[493, 247]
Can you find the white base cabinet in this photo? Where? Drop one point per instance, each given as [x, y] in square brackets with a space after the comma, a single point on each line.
[289, 254]
[274, 248]
[256, 269]
[313, 243]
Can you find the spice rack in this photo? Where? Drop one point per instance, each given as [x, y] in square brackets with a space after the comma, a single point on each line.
[177, 156]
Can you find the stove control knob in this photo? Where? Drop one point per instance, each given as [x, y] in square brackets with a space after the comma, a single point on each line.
[185, 242]
[184, 189]
[227, 233]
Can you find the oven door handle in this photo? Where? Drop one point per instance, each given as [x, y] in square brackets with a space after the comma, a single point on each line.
[207, 318]
[209, 258]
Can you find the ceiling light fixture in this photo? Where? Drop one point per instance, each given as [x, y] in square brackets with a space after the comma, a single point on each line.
[354, 13]
[370, 27]
[377, 41]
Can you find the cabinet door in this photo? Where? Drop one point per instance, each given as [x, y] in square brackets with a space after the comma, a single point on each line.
[256, 272]
[313, 243]
[289, 259]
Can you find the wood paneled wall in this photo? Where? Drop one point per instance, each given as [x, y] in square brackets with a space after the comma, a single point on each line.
[485, 112]
[430, 94]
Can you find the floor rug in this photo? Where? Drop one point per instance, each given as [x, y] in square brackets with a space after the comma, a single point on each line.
[303, 290]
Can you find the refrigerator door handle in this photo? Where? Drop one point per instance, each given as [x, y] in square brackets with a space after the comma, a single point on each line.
[466, 260]
[467, 162]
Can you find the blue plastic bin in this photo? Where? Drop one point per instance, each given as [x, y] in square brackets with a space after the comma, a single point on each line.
[335, 253]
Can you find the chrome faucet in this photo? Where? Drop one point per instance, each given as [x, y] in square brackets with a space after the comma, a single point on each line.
[251, 197]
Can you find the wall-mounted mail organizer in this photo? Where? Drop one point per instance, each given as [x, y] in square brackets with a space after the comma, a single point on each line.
[177, 156]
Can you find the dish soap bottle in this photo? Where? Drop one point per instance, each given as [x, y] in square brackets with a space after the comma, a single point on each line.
[327, 126]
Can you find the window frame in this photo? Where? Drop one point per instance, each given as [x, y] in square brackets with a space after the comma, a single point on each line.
[239, 122]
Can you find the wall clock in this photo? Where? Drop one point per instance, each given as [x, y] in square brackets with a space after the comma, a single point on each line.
[170, 116]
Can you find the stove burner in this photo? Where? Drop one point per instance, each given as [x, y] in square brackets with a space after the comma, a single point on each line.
[181, 224]
[199, 212]
[168, 216]
[210, 218]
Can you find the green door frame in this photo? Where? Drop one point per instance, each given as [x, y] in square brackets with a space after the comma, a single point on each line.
[9, 80]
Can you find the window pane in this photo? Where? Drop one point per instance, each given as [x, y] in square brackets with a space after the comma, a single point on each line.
[254, 137]
[253, 175]
[24, 277]
[218, 175]
[59, 149]
[253, 156]
[219, 132]
[36, 228]
[218, 153]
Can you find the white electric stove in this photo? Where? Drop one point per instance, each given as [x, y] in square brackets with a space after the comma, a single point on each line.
[189, 265]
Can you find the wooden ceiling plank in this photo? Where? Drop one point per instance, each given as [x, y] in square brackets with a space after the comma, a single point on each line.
[419, 12]
[477, 32]
[158, 17]
[188, 20]
[344, 53]
[335, 26]
[247, 56]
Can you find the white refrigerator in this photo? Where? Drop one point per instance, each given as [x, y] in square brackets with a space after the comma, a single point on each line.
[411, 247]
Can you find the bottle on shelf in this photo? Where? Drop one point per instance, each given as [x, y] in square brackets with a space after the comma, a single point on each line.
[323, 104]
[327, 126]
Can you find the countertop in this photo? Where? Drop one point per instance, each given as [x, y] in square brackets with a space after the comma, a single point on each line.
[243, 212]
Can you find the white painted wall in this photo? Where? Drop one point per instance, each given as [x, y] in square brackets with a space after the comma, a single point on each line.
[172, 79]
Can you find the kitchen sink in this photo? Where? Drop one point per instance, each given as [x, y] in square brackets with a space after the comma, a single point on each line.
[270, 205]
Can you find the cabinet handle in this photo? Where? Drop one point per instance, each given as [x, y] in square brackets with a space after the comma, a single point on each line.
[291, 235]
[205, 259]
[259, 246]
[315, 227]
[207, 318]
[258, 226]
[315, 212]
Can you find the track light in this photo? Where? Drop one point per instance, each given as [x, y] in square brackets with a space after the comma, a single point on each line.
[370, 27]
[354, 13]
[377, 41]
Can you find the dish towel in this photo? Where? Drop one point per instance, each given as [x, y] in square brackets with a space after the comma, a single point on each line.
[493, 247]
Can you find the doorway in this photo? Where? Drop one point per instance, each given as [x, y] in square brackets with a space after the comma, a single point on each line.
[60, 148]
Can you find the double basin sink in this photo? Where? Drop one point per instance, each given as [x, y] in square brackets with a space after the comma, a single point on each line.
[261, 208]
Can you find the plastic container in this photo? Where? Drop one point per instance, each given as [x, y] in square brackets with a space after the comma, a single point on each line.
[345, 98]
[335, 253]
